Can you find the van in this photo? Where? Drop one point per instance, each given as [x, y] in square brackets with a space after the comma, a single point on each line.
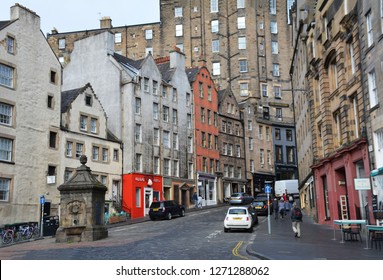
[286, 187]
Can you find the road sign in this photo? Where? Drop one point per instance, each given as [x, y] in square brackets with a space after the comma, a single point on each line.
[267, 188]
[42, 199]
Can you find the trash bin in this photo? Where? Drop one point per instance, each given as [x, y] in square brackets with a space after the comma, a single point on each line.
[50, 225]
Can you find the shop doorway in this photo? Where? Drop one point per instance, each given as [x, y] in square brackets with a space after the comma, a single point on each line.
[148, 199]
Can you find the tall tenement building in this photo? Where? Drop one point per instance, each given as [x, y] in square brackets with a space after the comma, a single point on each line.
[247, 46]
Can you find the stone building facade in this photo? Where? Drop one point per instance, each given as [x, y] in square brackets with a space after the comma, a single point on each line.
[205, 103]
[30, 79]
[302, 20]
[247, 47]
[370, 15]
[259, 148]
[84, 132]
[338, 124]
[149, 107]
[231, 144]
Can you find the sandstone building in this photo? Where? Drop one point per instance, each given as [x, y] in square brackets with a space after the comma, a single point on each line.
[30, 79]
[337, 116]
[247, 48]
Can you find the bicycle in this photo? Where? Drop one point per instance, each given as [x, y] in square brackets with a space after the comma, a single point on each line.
[35, 230]
[9, 235]
[26, 232]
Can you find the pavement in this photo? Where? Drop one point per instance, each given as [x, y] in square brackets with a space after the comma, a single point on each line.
[273, 239]
[317, 242]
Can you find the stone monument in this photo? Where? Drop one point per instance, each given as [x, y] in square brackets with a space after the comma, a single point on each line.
[82, 201]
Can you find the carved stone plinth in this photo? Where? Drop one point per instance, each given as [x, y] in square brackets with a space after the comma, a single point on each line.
[82, 201]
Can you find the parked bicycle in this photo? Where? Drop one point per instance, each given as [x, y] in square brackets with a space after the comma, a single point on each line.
[9, 235]
[26, 232]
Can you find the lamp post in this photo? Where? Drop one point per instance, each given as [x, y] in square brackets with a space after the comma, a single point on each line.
[267, 191]
[42, 202]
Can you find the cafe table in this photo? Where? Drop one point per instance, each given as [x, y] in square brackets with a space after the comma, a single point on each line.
[341, 223]
[373, 228]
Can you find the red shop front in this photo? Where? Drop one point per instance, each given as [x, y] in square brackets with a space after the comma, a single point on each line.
[138, 192]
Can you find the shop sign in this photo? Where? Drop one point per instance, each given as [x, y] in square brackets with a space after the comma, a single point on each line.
[362, 184]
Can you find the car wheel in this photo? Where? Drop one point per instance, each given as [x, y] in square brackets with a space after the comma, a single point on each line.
[225, 229]
[169, 216]
[250, 229]
[182, 213]
[152, 218]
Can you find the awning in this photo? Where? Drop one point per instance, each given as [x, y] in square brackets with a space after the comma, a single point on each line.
[377, 172]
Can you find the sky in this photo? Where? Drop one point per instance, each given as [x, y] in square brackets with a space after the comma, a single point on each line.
[76, 15]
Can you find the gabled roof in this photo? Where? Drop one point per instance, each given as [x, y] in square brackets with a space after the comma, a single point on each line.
[192, 73]
[221, 94]
[67, 97]
[166, 71]
[4, 23]
[110, 136]
[129, 62]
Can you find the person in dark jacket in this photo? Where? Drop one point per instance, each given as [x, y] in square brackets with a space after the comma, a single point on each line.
[296, 218]
[275, 208]
[195, 199]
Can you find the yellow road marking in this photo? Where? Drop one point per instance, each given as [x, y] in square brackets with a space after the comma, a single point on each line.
[235, 251]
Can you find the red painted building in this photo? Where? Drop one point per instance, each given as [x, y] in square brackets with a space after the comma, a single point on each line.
[206, 133]
[138, 192]
[337, 197]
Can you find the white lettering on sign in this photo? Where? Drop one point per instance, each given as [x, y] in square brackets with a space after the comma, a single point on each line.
[139, 179]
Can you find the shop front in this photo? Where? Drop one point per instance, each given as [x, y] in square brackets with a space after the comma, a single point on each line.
[207, 188]
[139, 191]
[259, 180]
[336, 195]
[180, 190]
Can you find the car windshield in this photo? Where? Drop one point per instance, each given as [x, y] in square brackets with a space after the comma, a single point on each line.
[237, 211]
[236, 194]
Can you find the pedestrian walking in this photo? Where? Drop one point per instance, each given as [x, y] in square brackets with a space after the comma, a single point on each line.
[195, 199]
[281, 207]
[287, 206]
[296, 218]
[275, 208]
[200, 198]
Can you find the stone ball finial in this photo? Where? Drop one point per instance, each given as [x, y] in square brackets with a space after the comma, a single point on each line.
[83, 159]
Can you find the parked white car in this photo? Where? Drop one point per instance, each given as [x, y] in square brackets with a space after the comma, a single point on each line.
[240, 217]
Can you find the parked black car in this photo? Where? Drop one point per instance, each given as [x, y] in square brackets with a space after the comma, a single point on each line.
[166, 209]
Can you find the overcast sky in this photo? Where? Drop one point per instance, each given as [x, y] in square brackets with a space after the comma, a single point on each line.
[76, 15]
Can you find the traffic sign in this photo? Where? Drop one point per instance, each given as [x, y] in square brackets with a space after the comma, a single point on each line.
[267, 188]
[42, 199]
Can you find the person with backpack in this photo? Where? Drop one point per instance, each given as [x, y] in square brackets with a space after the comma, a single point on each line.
[296, 218]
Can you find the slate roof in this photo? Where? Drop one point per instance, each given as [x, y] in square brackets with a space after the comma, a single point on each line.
[67, 97]
[166, 71]
[192, 73]
[4, 23]
[221, 94]
[127, 61]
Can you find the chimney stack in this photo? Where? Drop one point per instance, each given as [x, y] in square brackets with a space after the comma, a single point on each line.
[106, 22]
